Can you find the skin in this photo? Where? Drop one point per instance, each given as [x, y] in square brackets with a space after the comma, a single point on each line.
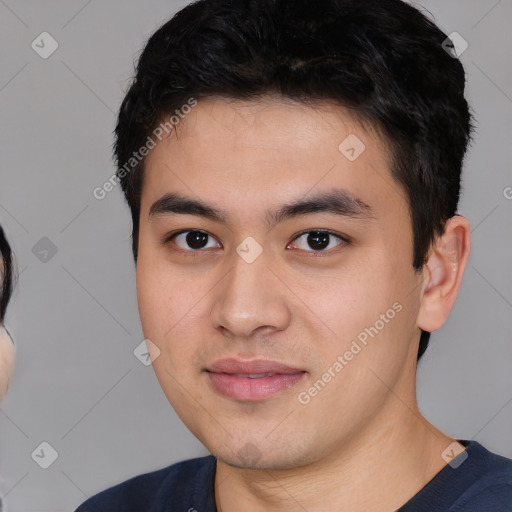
[6, 361]
[294, 305]
[6, 355]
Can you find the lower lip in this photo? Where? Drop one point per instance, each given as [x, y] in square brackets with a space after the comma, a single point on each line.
[244, 388]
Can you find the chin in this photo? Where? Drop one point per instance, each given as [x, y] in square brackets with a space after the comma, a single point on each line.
[256, 456]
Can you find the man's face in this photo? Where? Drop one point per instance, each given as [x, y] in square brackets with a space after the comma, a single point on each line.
[324, 323]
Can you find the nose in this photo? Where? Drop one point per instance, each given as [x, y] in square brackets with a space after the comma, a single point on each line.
[251, 298]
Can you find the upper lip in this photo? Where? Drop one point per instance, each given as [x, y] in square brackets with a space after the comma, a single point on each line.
[258, 366]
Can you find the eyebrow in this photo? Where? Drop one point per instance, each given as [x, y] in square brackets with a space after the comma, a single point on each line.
[334, 201]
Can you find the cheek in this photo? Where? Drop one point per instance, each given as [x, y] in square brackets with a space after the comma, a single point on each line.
[162, 295]
[366, 301]
[168, 307]
[160, 324]
[151, 300]
[344, 299]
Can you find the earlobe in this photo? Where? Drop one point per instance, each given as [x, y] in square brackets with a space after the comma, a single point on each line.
[442, 273]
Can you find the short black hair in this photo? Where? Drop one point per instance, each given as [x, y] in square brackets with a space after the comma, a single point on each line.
[6, 274]
[382, 59]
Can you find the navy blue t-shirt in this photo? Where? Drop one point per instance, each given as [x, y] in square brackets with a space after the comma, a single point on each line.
[481, 483]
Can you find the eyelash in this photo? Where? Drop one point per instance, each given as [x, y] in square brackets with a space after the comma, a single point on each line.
[194, 253]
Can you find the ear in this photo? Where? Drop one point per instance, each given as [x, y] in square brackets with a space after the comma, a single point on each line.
[442, 273]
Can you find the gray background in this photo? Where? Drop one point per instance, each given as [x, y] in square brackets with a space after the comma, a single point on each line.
[77, 383]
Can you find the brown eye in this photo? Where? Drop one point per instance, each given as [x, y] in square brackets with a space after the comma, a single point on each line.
[318, 241]
[194, 240]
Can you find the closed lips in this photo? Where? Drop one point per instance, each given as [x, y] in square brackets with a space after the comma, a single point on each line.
[252, 381]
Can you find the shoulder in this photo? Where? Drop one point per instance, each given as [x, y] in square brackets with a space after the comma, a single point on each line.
[490, 483]
[155, 491]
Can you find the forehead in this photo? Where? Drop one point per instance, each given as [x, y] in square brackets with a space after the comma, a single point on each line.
[270, 120]
[251, 153]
